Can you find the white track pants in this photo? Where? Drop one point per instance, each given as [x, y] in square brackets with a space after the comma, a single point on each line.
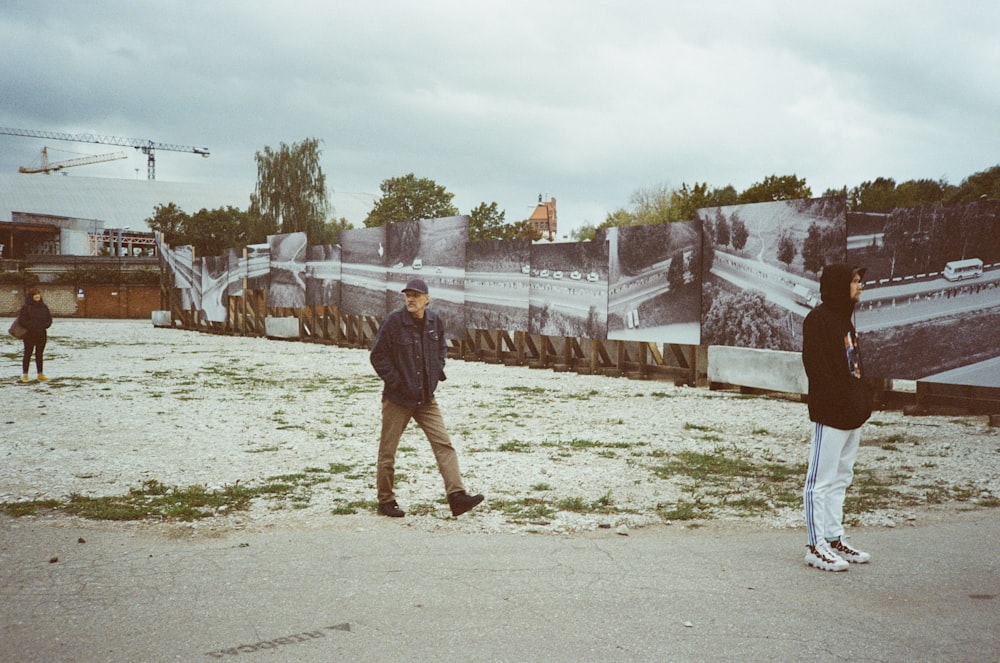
[831, 470]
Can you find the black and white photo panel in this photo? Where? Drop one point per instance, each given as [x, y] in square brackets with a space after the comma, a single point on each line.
[363, 271]
[760, 268]
[497, 284]
[569, 289]
[287, 288]
[322, 276]
[654, 289]
[930, 309]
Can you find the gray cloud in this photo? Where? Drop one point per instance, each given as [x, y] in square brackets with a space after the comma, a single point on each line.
[585, 101]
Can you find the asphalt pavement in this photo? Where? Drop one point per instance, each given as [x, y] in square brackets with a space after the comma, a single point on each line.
[364, 588]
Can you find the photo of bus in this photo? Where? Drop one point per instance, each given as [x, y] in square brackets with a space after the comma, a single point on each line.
[957, 270]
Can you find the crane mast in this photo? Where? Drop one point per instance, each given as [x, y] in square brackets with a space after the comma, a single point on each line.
[146, 146]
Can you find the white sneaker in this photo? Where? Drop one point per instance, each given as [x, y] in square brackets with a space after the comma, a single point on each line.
[846, 551]
[822, 557]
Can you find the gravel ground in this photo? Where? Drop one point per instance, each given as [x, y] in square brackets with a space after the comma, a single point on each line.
[553, 452]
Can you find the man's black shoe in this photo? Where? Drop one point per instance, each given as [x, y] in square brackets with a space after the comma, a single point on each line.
[460, 502]
[391, 509]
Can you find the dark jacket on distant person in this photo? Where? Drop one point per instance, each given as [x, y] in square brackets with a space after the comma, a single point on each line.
[35, 317]
[838, 395]
[410, 362]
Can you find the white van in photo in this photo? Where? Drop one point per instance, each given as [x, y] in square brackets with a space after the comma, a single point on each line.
[956, 270]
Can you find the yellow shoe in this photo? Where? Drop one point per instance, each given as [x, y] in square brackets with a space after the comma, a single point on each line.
[42, 378]
[24, 378]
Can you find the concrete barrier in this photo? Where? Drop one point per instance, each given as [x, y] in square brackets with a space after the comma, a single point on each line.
[283, 328]
[162, 319]
[772, 370]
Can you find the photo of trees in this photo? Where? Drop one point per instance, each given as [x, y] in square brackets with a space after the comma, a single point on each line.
[760, 268]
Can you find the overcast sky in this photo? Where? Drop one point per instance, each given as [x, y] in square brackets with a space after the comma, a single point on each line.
[580, 100]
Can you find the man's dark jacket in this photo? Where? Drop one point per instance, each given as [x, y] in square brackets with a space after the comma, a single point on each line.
[838, 396]
[403, 357]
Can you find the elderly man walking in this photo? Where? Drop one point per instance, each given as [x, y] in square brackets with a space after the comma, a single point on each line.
[409, 354]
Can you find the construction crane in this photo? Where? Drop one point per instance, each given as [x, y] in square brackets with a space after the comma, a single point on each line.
[50, 166]
[146, 146]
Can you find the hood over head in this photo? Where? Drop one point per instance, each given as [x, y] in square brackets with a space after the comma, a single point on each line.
[835, 286]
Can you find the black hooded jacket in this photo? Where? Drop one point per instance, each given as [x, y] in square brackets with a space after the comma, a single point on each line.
[35, 316]
[838, 396]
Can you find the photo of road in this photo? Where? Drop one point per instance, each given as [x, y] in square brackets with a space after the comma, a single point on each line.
[654, 289]
[931, 305]
[569, 289]
[760, 269]
[287, 288]
[362, 271]
[258, 266]
[214, 279]
[497, 287]
[749, 274]
[432, 250]
[322, 276]
[237, 271]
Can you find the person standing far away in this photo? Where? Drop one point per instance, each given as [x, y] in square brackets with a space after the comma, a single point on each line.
[408, 353]
[36, 318]
[840, 401]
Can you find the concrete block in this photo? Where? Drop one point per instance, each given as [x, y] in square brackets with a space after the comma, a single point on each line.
[162, 319]
[283, 328]
[772, 370]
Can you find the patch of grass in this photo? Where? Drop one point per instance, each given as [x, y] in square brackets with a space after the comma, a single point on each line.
[526, 390]
[516, 446]
[261, 450]
[698, 427]
[681, 510]
[541, 487]
[155, 500]
[347, 508]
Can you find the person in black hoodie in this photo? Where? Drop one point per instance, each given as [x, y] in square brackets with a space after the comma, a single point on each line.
[840, 401]
[36, 318]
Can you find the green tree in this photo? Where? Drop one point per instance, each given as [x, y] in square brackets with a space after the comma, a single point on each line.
[332, 230]
[524, 230]
[878, 195]
[584, 233]
[211, 232]
[172, 222]
[487, 222]
[686, 201]
[984, 185]
[619, 218]
[208, 231]
[913, 193]
[290, 195]
[775, 187]
[408, 198]
[651, 205]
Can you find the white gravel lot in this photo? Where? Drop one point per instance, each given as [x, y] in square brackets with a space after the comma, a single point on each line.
[129, 403]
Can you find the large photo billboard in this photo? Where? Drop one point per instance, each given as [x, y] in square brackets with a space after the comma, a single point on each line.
[761, 264]
[931, 306]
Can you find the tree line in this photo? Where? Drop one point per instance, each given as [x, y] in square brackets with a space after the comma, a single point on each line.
[291, 196]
